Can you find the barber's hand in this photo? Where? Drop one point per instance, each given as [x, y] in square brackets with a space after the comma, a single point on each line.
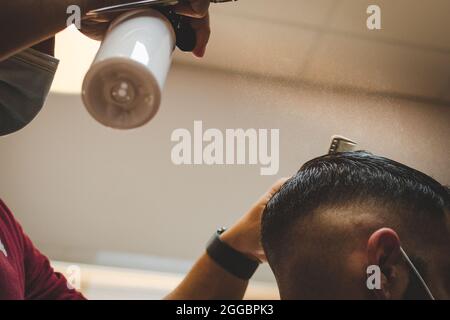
[95, 27]
[198, 13]
[245, 235]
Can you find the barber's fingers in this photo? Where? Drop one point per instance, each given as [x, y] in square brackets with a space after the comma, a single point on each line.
[277, 185]
[203, 32]
[274, 189]
[193, 8]
[260, 205]
[197, 10]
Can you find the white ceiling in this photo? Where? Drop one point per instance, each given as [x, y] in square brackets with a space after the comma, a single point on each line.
[318, 42]
[326, 42]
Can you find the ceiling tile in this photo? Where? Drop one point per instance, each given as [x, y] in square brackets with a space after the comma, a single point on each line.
[252, 46]
[378, 67]
[415, 22]
[313, 12]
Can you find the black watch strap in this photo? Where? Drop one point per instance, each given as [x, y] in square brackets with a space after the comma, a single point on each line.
[230, 259]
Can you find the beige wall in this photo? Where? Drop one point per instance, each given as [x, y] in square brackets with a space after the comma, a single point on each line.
[80, 188]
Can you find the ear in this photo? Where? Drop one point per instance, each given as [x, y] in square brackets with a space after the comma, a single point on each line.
[383, 250]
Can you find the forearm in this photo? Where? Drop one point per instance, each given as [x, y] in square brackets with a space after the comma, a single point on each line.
[24, 23]
[208, 281]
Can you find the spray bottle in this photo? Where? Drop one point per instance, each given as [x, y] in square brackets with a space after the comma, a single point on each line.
[123, 86]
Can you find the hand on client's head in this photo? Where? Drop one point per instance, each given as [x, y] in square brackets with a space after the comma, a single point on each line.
[245, 235]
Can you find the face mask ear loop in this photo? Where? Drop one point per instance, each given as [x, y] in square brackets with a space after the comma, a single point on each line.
[414, 269]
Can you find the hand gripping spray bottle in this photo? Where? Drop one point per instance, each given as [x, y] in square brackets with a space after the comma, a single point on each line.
[122, 88]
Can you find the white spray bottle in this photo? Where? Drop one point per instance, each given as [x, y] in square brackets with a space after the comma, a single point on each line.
[122, 88]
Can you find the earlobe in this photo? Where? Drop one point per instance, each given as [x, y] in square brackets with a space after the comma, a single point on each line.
[383, 250]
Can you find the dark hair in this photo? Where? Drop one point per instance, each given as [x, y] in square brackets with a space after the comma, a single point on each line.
[345, 178]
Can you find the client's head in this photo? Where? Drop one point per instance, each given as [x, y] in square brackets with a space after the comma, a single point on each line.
[342, 213]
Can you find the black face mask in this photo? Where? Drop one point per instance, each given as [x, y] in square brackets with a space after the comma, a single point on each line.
[25, 81]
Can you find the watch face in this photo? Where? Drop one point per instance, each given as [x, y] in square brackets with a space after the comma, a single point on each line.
[221, 230]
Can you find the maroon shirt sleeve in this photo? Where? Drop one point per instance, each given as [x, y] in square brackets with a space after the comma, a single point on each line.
[30, 268]
[41, 281]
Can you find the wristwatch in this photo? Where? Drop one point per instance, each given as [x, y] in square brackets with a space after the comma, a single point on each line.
[230, 259]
